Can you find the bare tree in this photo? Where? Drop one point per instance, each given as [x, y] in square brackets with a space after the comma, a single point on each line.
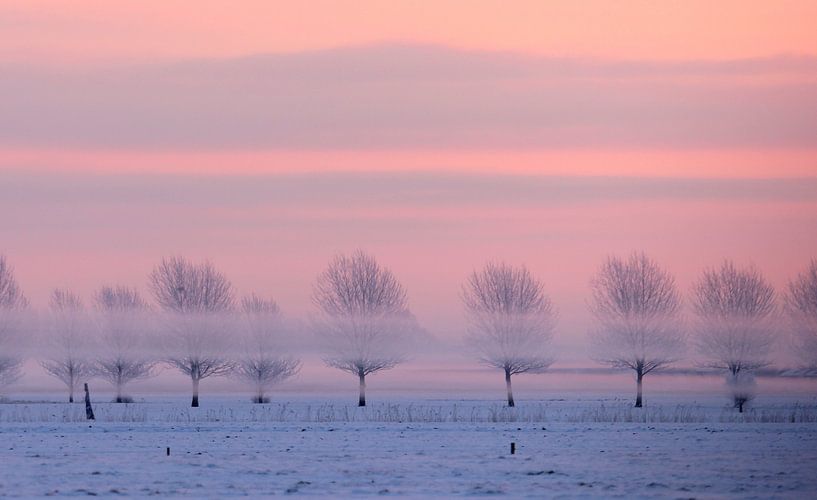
[123, 324]
[365, 320]
[637, 307]
[181, 286]
[9, 370]
[70, 330]
[12, 305]
[801, 304]
[511, 320]
[735, 310]
[199, 303]
[262, 363]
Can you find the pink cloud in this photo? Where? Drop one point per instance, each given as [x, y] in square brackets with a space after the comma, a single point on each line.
[413, 97]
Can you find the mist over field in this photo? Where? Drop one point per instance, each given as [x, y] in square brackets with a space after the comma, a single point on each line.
[418, 249]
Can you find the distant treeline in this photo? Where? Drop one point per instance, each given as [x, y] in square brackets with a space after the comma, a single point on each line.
[363, 324]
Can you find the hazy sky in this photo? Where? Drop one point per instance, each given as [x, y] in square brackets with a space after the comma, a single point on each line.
[268, 136]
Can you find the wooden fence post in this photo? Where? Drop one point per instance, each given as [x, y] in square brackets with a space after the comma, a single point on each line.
[89, 411]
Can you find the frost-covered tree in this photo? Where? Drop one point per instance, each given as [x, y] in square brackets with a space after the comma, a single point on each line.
[9, 370]
[263, 364]
[364, 320]
[510, 320]
[123, 322]
[69, 333]
[199, 303]
[801, 305]
[12, 306]
[735, 329]
[637, 307]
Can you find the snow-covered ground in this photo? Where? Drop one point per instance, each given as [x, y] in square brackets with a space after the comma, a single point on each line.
[695, 447]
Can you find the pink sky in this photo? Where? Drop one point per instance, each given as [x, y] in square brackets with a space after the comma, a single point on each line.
[436, 135]
[89, 31]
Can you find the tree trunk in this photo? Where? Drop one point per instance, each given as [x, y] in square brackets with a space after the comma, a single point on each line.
[71, 396]
[195, 403]
[639, 383]
[259, 396]
[362, 399]
[119, 393]
[508, 386]
[740, 406]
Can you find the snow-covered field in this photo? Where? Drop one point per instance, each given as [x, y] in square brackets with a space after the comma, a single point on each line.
[697, 447]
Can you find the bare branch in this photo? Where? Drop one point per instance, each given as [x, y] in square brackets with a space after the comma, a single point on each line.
[70, 331]
[181, 286]
[199, 305]
[254, 305]
[801, 305]
[124, 326]
[199, 344]
[363, 345]
[12, 305]
[11, 297]
[636, 305]
[265, 371]
[262, 363]
[510, 318]
[119, 298]
[358, 286]
[365, 321]
[9, 370]
[735, 311]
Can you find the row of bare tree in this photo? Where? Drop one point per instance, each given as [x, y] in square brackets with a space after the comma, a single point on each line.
[640, 323]
[638, 310]
[366, 326]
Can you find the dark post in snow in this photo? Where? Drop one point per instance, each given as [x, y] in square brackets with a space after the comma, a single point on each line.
[513, 448]
[89, 411]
